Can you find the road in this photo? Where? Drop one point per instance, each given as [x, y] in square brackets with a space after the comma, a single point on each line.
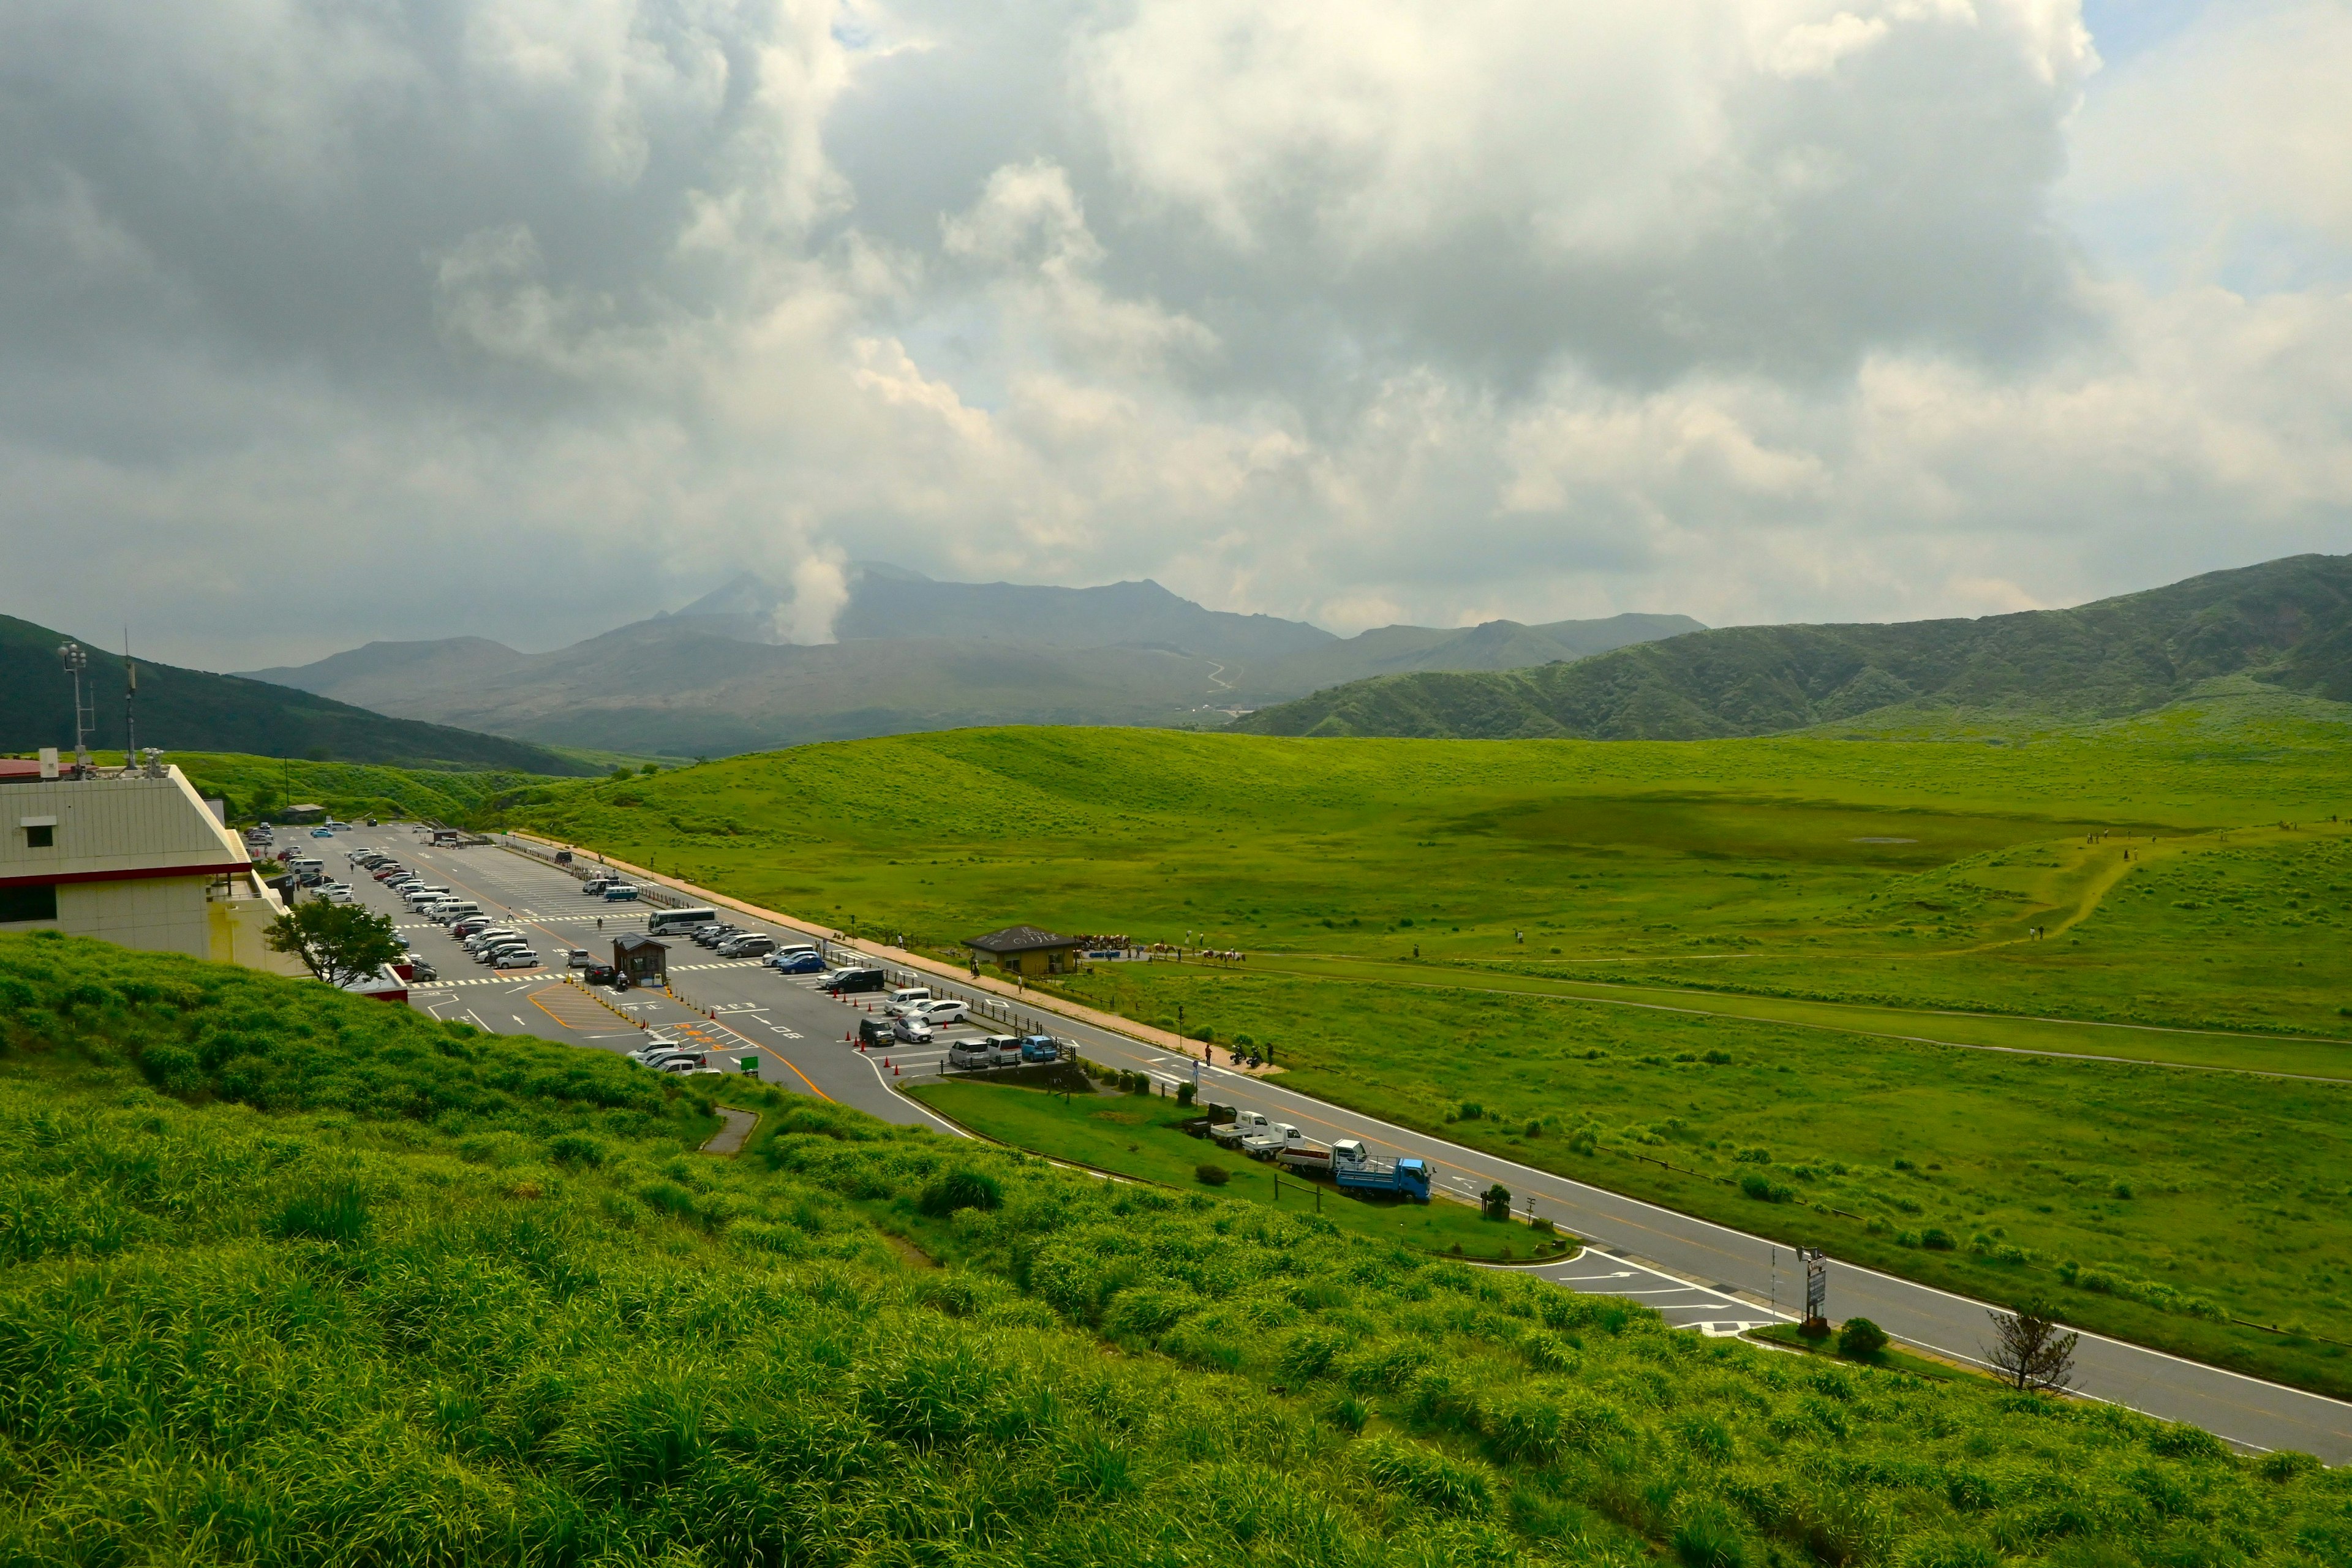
[1696, 1274]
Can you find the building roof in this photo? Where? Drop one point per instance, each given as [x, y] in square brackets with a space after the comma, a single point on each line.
[1019, 938]
[20, 768]
[638, 944]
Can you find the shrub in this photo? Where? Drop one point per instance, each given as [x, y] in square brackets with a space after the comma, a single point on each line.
[1470, 1110]
[960, 1188]
[1763, 1189]
[1212, 1176]
[335, 1212]
[1935, 1240]
[1859, 1339]
[1424, 1475]
[1708, 1537]
[1185, 1095]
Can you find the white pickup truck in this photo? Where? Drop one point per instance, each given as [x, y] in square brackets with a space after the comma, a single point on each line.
[1275, 1138]
[1245, 1124]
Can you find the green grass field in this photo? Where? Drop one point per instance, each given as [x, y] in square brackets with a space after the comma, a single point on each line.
[1419, 915]
[1137, 1135]
[258, 786]
[290, 1278]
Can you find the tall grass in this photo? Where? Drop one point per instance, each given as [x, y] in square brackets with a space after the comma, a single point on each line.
[526, 1331]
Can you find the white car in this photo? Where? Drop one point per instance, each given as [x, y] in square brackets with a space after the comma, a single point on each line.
[910, 1028]
[940, 1011]
[517, 958]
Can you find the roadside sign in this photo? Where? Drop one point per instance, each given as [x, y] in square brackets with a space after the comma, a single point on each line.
[1817, 1281]
[748, 1064]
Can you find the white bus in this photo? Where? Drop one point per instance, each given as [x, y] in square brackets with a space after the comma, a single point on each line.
[661, 921]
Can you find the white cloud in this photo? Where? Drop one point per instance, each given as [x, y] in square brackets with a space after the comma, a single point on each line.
[547, 316]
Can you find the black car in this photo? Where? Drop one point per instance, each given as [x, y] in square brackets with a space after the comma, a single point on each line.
[841, 982]
[873, 1031]
[601, 974]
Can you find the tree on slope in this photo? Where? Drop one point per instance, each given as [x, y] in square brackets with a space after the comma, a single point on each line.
[2029, 1352]
[337, 943]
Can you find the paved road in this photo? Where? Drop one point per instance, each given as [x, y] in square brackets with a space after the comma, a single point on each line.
[1697, 1274]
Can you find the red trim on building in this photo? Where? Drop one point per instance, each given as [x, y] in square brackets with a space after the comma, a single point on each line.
[134, 874]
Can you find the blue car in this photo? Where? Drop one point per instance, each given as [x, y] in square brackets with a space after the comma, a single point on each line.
[800, 963]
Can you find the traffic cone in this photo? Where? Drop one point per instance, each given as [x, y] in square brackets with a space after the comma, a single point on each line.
[885, 1061]
[894, 1072]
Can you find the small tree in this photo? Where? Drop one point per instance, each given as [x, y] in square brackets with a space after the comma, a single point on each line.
[1497, 1204]
[337, 943]
[2029, 1352]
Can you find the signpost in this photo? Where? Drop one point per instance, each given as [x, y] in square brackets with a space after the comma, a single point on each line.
[751, 1065]
[1817, 1284]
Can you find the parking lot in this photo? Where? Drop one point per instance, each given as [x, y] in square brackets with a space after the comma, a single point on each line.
[731, 1008]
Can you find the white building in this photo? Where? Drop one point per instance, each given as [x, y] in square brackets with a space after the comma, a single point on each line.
[131, 856]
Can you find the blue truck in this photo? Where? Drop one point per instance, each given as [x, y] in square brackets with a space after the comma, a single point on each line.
[1357, 1170]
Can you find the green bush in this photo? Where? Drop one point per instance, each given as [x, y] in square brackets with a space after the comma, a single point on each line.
[1212, 1176]
[960, 1188]
[1859, 1339]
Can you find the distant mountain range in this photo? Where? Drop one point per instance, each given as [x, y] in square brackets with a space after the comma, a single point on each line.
[715, 678]
[193, 710]
[2288, 622]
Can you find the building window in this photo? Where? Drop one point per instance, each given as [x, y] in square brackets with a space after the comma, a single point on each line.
[36, 902]
[40, 837]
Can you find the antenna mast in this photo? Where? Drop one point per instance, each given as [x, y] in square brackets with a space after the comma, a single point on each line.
[130, 701]
[77, 664]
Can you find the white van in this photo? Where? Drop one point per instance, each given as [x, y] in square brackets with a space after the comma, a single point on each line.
[906, 997]
[450, 910]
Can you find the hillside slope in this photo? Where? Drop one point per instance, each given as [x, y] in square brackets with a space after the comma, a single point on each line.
[2288, 621]
[716, 676]
[294, 1278]
[193, 709]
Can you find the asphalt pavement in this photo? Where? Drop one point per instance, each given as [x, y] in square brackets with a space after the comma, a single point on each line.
[1699, 1275]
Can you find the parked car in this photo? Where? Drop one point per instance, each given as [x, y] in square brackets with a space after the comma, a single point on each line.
[517, 958]
[712, 936]
[322, 833]
[797, 963]
[1039, 1049]
[751, 945]
[845, 982]
[905, 997]
[971, 1054]
[910, 1027]
[595, 885]
[940, 1011]
[873, 1031]
[620, 893]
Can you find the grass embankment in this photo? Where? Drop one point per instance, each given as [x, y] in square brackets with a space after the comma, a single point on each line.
[1140, 1136]
[290, 1277]
[1891, 872]
[256, 787]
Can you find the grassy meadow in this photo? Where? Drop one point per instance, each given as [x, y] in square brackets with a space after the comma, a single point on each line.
[1137, 1136]
[288, 1276]
[1550, 928]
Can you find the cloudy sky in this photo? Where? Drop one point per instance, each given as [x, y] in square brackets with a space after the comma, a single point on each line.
[328, 320]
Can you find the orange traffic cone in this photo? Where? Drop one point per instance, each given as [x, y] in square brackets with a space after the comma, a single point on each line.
[885, 1061]
[894, 1072]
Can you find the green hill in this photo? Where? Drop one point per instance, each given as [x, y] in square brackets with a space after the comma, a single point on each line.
[194, 710]
[2288, 621]
[288, 1276]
